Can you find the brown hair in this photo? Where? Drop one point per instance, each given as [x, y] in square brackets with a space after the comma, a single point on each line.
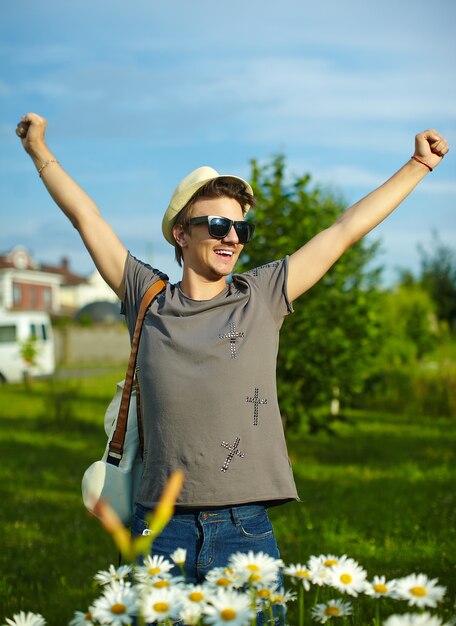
[222, 187]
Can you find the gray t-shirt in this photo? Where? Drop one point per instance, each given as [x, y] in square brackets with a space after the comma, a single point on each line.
[207, 374]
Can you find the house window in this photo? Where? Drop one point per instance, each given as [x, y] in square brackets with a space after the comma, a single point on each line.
[33, 297]
[17, 294]
[38, 331]
[8, 334]
[47, 297]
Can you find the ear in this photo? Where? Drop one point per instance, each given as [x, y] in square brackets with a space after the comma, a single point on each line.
[180, 236]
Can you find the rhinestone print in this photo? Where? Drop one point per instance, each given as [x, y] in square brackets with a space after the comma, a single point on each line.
[256, 400]
[233, 449]
[232, 336]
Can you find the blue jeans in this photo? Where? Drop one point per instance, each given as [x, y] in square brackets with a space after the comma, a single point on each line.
[210, 536]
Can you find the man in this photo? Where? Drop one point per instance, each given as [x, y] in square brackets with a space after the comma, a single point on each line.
[206, 361]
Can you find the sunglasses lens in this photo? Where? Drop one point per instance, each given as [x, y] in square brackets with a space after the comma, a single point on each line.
[244, 231]
[219, 227]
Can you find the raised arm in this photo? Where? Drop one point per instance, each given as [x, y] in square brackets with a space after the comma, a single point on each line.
[313, 260]
[106, 250]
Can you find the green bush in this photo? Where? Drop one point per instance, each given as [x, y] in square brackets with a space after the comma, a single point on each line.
[429, 389]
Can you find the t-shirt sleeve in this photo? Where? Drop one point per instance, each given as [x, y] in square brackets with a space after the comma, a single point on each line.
[138, 277]
[270, 281]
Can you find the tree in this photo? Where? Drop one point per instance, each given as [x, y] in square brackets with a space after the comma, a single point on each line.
[410, 327]
[437, 276]
[328, 347]
[29, 351]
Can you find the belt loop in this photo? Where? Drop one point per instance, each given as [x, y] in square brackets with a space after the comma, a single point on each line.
[235, 516]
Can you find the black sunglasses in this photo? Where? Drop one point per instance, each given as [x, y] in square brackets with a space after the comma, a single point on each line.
[219, 227]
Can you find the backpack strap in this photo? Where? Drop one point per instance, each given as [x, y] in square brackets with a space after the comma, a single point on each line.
[117, 442]
[139, 416]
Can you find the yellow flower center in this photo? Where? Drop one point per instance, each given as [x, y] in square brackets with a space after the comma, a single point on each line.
[228, 615]
[223, 582]
[332, 611]
[346, 579]
[255, 577]
[302, 573]
[118, 609]
[330, 562]
[159, 584]
[154, 570]
[277, 599]
[161, 607]
[380, 588]
[196, 596]
[263, 593]
[253, 568]
[88, 616]
[418, 591]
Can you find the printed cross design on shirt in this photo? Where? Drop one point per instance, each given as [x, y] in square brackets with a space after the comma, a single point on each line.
[232, 336]
[256, 400]
[233, 450]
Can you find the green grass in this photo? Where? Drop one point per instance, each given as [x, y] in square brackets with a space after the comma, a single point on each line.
[381, 490]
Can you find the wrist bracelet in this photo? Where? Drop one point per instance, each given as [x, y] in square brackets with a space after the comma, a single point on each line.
[45, 164]
[422, 162]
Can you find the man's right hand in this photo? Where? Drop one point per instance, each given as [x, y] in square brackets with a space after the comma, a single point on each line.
[31, 130]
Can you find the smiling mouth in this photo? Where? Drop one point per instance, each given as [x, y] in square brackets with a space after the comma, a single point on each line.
[227, 254]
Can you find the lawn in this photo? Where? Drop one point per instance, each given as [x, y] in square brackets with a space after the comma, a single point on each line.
[380, 490]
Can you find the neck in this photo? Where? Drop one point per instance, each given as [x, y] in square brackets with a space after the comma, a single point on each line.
[198, 287]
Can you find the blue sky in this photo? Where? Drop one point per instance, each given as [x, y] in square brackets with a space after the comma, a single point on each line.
[138, 94]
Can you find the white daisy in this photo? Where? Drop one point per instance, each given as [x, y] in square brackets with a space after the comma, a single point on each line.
[414, 619]
[299, 572]
[195, 594]
[164, 581]
[82, 619]
[334, 608]
[117, 605]
[104, 577]
[380, 588]
[256, 568]
[419, 591]
[274, 596]
[320, 567]
[264, 594]
[281, 598]
[26, 619]
[179, 556]
[143, 579]
[222, 577]
[191, 614]
[348, 576]
[153, 566]
[157, 605]
[229, 607]
[329, 560]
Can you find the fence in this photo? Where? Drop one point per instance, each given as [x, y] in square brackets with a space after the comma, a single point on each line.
[99, 343]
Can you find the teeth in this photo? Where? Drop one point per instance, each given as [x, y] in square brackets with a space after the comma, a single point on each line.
[224, 252]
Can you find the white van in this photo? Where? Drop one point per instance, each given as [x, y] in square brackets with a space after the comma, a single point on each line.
[16, 328]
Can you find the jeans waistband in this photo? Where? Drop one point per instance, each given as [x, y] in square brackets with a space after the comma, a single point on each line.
[236, 513]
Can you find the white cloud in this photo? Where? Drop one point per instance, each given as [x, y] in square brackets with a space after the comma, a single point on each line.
[346, 176]
[297, 99]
